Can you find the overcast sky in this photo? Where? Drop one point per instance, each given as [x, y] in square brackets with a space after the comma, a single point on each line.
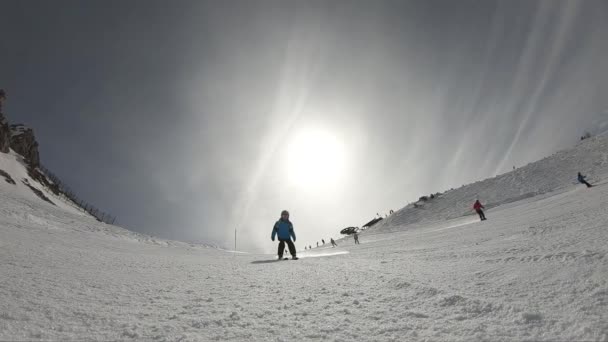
[187, 119]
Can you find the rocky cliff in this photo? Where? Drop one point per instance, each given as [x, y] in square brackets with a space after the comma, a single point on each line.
[5, 133]
[23, 141]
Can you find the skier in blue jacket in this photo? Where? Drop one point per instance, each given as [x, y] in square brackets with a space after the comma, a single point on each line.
[284, 230]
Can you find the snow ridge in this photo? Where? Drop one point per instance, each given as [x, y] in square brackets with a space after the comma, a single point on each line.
[553, 173]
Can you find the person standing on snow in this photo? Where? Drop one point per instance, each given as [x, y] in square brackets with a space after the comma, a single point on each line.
[323, 241]
[333, 243]
[284, 230]
[582, 180]
[478, 208]
[356, 236]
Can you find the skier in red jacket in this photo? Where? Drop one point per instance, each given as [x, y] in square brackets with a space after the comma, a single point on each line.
[478, 208]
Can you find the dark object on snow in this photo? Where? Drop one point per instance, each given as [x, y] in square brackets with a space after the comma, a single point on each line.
[582, 180]
[37, 191]
[423, 199]
[479, 209]
[333, 243]
[323, 241]
[356, 236]
[7, 177]
[349, 230]
[372, 222]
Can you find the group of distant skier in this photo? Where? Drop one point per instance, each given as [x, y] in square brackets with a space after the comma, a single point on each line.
[333, 244]
[283, 228]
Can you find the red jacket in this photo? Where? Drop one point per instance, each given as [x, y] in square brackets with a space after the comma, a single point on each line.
[477, 205]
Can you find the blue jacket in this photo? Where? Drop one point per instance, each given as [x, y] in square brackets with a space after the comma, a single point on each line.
[284, 229]
[581, 178]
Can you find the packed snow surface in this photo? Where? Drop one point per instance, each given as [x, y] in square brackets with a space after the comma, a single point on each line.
[536, 270]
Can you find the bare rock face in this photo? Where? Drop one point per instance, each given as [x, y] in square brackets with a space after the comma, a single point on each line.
[5, 133]
[24, 142]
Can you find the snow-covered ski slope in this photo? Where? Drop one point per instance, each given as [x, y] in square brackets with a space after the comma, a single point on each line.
[536, 270]
[20, 202]
[551, 174]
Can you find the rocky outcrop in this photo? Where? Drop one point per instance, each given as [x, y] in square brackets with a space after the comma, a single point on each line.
[5, 133]
[24, 142]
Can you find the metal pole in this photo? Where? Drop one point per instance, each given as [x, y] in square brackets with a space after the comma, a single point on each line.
[235, 239]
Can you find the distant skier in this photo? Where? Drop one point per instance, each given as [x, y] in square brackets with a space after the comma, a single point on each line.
[309, 247]
[356, 236]
[479, 209]
[317, 243]
[323, 241]
[333, 243]
[284, 229]
[582, 180]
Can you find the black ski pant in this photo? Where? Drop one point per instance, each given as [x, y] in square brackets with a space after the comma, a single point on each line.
[482, 216]
[586, 183]
[290, 245]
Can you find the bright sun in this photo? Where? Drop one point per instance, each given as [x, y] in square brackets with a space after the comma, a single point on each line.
[315, 158]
